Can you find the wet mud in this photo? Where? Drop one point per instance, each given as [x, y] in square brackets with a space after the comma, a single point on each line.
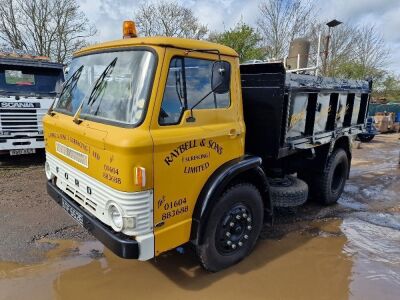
[347, 251]
[306, 264]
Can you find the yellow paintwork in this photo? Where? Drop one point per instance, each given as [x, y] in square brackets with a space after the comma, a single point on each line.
[216, 137]
[159, 41]
[107, 145]
[170, 181]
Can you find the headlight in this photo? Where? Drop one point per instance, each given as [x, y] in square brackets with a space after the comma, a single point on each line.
[48, 172]
[115, 215]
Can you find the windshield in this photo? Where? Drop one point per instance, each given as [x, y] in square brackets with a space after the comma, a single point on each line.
[114, 86]
[30, 81]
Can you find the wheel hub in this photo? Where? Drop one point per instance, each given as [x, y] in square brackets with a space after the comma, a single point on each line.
[234, 229]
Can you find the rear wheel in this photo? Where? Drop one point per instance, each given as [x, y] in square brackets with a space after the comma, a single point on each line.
[329, 185]
[233, 227]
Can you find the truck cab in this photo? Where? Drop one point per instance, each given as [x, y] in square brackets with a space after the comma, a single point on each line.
[133, 147]
[28, 87]
[146, 149]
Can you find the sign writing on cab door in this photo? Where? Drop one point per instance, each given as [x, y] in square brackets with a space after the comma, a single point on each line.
[195, 155]
[173, 208]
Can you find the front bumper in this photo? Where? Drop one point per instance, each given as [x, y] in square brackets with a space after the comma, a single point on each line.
[122, 245]
[9, 143]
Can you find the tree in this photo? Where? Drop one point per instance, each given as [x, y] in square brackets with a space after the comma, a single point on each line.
[355, 70]
[388, 88]
[354, 52]
[168, 19]
[54, 28]
[281, 21]
[365, 54]
[370, 50]
[242, 38]
[341, 46]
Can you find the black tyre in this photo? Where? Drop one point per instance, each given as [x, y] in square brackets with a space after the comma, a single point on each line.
[365, 138]
[233, 227]
[329, 185]
[288, 192]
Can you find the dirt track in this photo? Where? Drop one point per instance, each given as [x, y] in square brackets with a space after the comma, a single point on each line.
[27, 214]
[351, 251]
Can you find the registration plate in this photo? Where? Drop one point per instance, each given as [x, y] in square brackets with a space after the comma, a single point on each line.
[22, 151]
[77, 216]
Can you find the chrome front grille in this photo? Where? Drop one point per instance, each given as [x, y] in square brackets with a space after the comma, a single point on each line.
[20, 120]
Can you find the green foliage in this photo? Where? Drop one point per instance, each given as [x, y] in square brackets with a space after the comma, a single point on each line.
[383, 85]
[244, 39]
[390, 88]
[354, 70]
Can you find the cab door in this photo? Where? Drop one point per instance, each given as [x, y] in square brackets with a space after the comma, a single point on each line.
[188, 150]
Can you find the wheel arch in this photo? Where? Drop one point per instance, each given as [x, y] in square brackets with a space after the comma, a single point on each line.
[323, 152]
[246, 169]
[345, 143]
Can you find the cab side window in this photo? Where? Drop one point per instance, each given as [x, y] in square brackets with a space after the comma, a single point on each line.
[173, 102]
[189, 80]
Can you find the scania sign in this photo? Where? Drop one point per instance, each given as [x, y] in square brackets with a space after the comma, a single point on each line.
[19, 105]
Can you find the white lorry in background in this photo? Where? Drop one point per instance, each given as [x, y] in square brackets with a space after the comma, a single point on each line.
[28, 87]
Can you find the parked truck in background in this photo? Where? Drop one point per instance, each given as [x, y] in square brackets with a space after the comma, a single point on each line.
[28, 87]
[157, 142]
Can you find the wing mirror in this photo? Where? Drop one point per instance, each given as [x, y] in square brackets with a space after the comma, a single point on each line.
[220, 83]
[220, 77]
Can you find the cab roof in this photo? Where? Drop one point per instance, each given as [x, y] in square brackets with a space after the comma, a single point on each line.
[159, 41]
[30, 62]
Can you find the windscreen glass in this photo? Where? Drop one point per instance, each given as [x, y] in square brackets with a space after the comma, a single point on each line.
[111, 86]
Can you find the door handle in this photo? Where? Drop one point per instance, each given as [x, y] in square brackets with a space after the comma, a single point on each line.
[233, 133]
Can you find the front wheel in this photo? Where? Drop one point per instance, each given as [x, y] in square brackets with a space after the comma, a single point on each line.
[233, 228]
[330, 183]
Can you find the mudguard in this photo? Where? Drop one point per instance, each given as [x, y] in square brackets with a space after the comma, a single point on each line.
[218, 182]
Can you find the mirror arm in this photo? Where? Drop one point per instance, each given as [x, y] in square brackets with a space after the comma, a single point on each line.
[192, 118]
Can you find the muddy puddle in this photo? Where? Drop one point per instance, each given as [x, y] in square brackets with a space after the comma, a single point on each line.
[374, 243]
[330, 259]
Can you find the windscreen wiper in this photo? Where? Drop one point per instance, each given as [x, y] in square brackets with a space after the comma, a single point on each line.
[95, 91]
[71, 82]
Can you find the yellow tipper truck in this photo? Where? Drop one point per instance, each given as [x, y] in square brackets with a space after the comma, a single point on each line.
[157, 142]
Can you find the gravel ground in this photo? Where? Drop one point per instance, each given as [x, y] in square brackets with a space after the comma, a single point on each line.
[27, 213]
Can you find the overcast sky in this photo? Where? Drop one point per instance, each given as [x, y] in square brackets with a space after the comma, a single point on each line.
[108, 15]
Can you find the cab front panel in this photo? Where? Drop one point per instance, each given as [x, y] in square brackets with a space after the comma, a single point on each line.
[106, 167]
